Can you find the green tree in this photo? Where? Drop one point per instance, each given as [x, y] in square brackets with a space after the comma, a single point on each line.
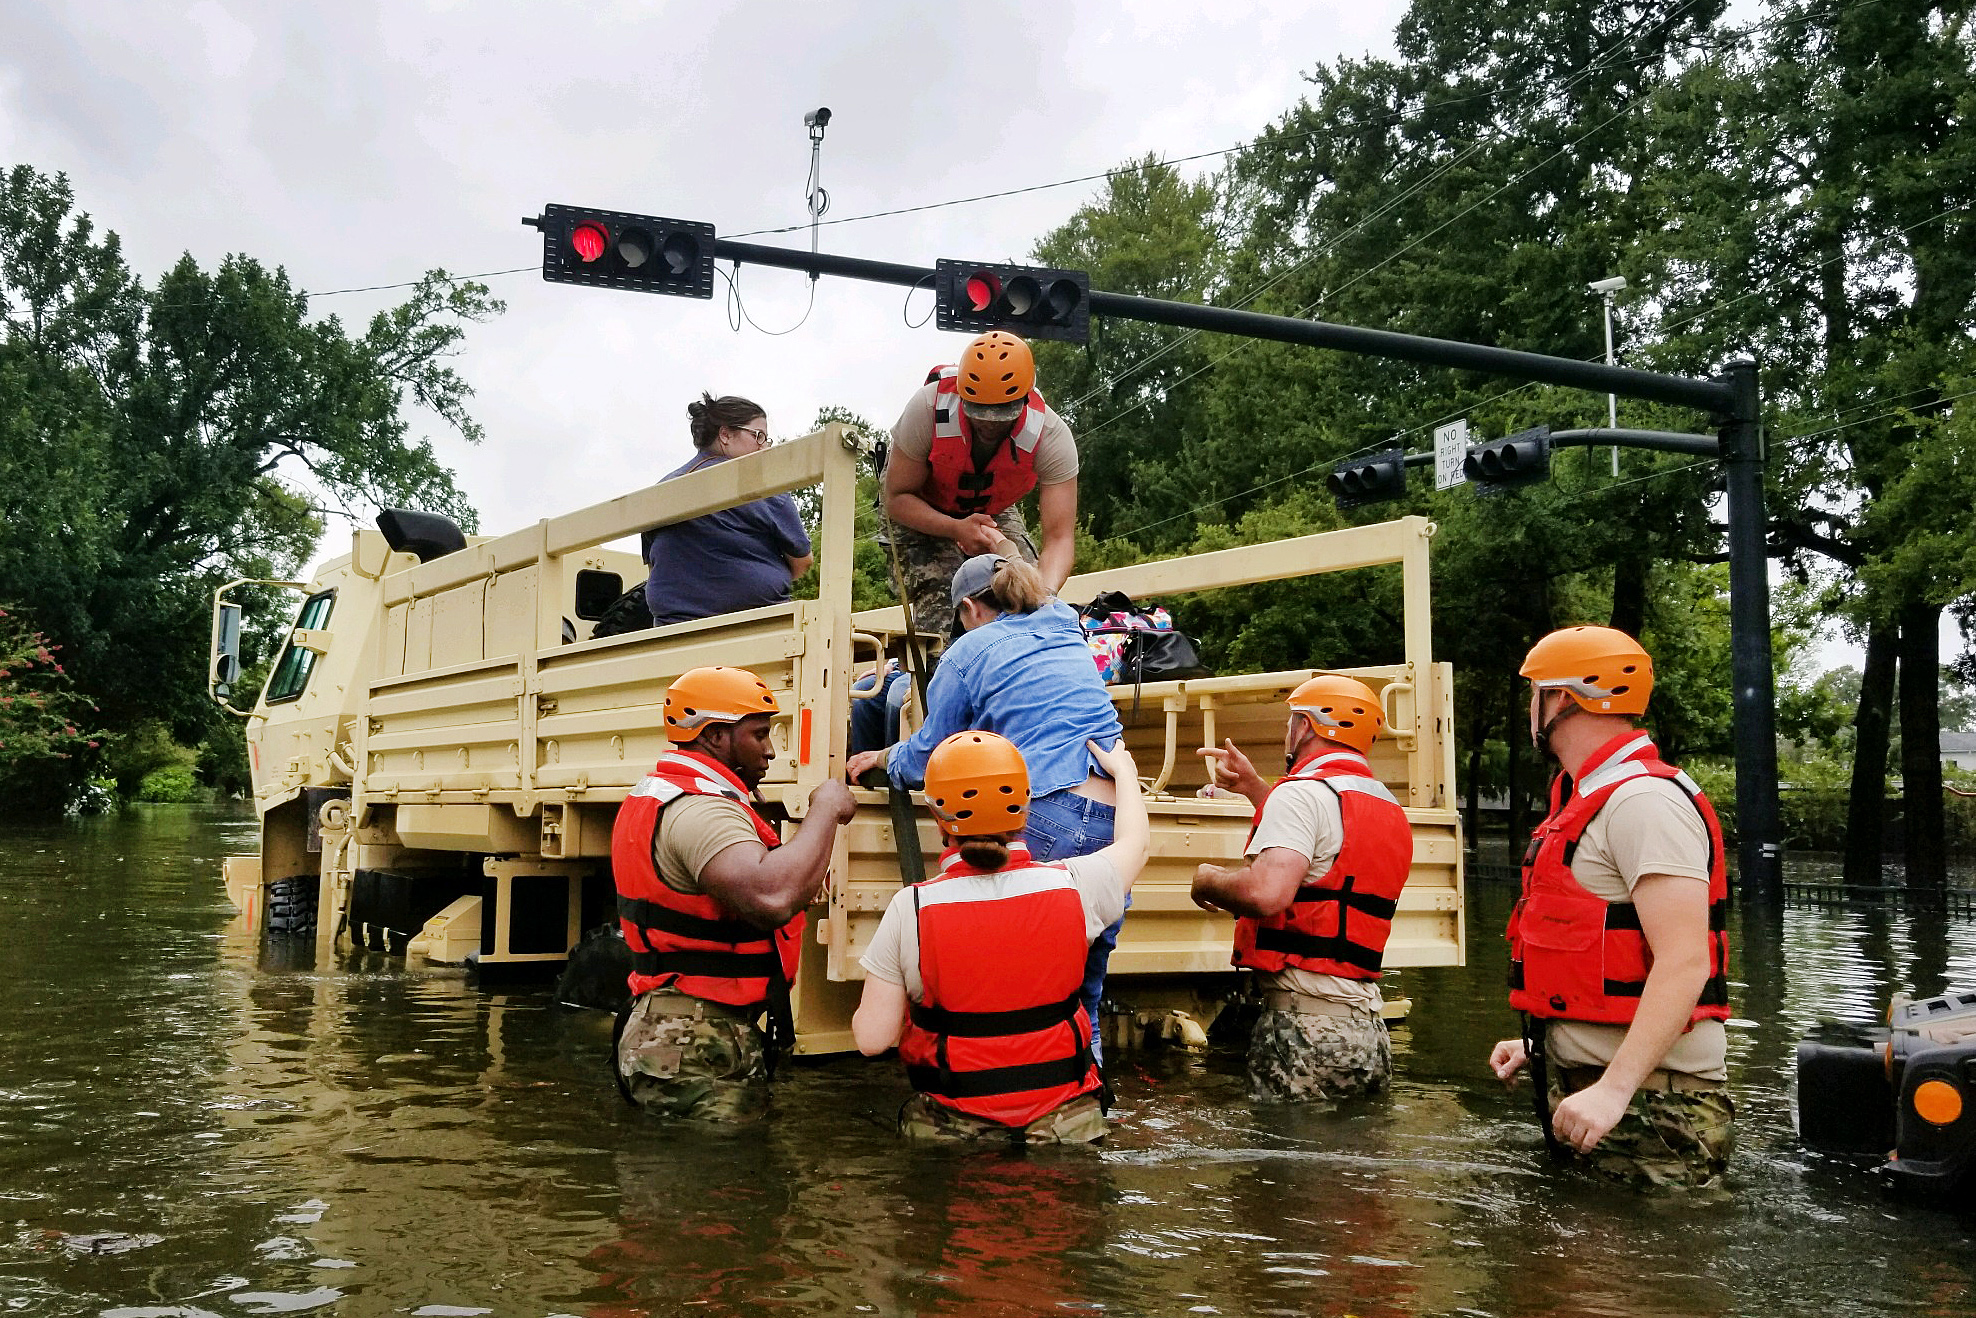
[156, 441]
[1825, 171]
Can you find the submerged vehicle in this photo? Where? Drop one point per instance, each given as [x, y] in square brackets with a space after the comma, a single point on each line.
[442, 746]
[1900, 1096]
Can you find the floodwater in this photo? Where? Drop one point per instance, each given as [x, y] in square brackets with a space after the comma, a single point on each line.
[195, 1123]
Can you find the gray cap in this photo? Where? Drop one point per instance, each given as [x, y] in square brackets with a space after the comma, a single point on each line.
[994, 411]
[974, 576]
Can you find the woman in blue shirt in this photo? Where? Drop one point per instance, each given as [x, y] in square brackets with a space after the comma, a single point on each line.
[738, 558]
[1022, 669]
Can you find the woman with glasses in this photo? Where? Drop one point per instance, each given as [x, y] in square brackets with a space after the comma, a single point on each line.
[738, 558]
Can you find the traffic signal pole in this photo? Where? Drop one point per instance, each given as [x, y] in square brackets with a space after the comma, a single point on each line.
[1730, 400]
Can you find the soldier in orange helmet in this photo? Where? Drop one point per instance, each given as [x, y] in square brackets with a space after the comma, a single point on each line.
[975, 975]
[711, 903]
[1619, 948]
[970, 445]
[1328, 855]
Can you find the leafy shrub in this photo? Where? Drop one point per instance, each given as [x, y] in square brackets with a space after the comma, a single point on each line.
[175, 784]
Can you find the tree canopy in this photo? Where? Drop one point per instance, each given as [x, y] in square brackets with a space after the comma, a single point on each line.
[157, 440]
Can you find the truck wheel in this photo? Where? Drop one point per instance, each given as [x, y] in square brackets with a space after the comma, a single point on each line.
[292, 905]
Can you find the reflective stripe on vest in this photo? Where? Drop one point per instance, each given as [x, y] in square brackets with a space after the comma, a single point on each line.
[689, 942]
[1576, 956]
[956, 484]
[1338, 925]
[1000, 1032]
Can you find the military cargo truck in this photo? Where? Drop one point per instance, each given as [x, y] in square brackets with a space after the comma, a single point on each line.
[441, 748]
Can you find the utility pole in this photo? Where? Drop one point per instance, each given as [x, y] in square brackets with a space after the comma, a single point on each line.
[1607, 287]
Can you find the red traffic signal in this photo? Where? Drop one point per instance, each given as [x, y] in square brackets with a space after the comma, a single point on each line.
[611, 249]
[1033, 301]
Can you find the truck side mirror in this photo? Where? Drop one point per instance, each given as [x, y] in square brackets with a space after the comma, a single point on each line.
[595, 593]
[225, 664]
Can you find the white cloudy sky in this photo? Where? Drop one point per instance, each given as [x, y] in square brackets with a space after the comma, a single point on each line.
[360, 143]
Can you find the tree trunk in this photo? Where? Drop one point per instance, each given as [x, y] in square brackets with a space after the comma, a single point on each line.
[1473, 810]
[1872, 728]
[1629, 594]
[1921, 741]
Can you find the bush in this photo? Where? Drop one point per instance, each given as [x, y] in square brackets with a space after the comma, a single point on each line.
[175, 784]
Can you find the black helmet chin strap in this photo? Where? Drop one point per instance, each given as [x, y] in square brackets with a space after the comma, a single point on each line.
[1541, 739]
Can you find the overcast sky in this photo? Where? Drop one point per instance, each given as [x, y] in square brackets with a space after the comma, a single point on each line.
[359, 143]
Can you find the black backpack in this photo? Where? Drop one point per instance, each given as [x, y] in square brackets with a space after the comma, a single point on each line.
[1148, 654]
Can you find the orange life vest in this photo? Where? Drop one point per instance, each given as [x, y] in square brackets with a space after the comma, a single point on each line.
[956, 484]
[691, 942]
[1576, 956]
[1338, 925]
[999, 1031]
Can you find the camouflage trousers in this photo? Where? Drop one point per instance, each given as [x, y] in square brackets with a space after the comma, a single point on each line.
[930, 561]
[1080, 1121]
[1670, 1139]
[693, 1061]
[1294, 1055]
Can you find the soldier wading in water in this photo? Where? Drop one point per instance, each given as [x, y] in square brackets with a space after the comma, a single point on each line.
[711, 903]
[1328, 856]
[975, 975]
[1619, 950]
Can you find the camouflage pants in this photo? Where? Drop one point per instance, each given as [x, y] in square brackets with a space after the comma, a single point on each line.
[1080, 1121]
[1667, 1139]
[930, 561]
[1295, 1056]
[693, 1061]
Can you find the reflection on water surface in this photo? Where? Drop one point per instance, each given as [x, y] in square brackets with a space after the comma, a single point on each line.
[193, 1123]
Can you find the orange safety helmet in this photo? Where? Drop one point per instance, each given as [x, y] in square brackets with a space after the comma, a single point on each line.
[702, 696]
[996, 372]
[1603, 669]
[976, 783]
[1340, 709]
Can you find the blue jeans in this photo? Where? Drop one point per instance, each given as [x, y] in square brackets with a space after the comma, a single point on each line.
[1061, 825]
[875, 722]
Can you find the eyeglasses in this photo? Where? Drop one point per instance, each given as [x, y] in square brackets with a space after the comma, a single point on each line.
[761, 436]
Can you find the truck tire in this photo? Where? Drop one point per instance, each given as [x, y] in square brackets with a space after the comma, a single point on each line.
[292, 906]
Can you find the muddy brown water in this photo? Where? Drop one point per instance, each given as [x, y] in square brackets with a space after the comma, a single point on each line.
[196, 1122]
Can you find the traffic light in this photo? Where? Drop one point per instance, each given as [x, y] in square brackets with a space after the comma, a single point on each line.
[1032, 301]
[1501, 464]
[1370, 478]
[641, 253]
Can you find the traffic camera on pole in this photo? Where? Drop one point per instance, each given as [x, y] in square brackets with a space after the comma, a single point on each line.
[1502, 464]
[1373, 478]
[640, 253]
[1033, 301]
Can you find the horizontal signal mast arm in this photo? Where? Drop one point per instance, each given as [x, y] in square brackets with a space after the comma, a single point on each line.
[1711, 396]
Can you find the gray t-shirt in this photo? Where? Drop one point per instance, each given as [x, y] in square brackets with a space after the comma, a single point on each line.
[894, 952]
[1304, 817]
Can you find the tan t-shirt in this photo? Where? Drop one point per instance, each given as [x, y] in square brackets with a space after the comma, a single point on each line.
[894, 952]
[692, 831]
[1647, 826]
[1055, 455]
[1304, 817]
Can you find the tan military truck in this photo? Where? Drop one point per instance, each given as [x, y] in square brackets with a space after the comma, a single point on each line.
[441, 747]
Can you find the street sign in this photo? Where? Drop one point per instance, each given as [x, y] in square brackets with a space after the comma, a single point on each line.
[1450, 450]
